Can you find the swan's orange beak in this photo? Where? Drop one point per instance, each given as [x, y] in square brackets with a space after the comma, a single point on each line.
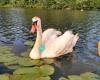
[33, 29]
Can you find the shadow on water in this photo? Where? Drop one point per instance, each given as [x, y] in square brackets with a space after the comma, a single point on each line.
[18, 46]
[15, 24]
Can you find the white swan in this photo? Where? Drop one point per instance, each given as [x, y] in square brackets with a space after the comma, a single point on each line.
[51, 43]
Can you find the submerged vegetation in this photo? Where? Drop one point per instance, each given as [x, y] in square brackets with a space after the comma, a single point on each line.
[23, 68]
[52, 4]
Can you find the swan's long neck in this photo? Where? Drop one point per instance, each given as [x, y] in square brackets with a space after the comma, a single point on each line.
[39, 34]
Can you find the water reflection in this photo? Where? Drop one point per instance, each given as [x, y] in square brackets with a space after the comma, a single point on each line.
[15, 24]
[18, 45]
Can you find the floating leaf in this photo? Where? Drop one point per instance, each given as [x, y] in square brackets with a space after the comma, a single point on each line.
[63, 78]
[16, 77]
[5, 49]
[43, 78]
[29, 77]
[13, 66]
[48, 61]
[26, 53]
[90, 76]
[7, 58]
[46, 70]
[75, 77]
[11, 63]
[27, 61]
[29, 42]
[32, 70]
[4, 77]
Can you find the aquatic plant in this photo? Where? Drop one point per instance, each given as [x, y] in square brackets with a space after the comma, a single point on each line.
[63, 78]
[26, 53]
[46, 70]
[75, 77]
[29, 70]
[90, 76]
[26, 69]
[48, 61]
[28, 77]
[29, 42]
[4, 77]
[83, 76]
[27, 61]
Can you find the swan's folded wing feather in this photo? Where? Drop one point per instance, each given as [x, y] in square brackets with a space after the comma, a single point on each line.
[61, 45]
[46, 34]
[50, 35]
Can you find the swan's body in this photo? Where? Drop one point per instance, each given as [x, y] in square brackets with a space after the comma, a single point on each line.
[51, 43]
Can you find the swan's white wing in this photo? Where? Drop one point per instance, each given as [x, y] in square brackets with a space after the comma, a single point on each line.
[49, 35]
[62, 44]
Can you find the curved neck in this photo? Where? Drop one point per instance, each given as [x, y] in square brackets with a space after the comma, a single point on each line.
[39, 34]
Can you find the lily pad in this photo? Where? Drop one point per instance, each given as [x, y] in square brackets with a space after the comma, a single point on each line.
[4, 77]
[75, 77]
[27, 61]
[43, 78]
[16, 77]
[26, 53]
[48, 61]
[28, 77]
[7, 58]
[29, 42]
[11, 63]
[63, 78]
[13, 67]
[90, 76]
[4, 50]
[46, 70]
[31, 70]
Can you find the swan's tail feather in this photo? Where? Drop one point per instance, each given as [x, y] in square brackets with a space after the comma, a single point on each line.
[73, 43]
[75, 39]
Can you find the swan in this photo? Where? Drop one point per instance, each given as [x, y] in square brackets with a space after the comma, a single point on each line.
[51, 43]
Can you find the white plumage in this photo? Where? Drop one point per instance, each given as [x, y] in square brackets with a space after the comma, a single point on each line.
[55, 43]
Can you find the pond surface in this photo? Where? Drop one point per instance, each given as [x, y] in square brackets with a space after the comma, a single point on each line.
[15, 24]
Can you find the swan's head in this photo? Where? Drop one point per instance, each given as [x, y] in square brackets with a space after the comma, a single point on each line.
[36, 22]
